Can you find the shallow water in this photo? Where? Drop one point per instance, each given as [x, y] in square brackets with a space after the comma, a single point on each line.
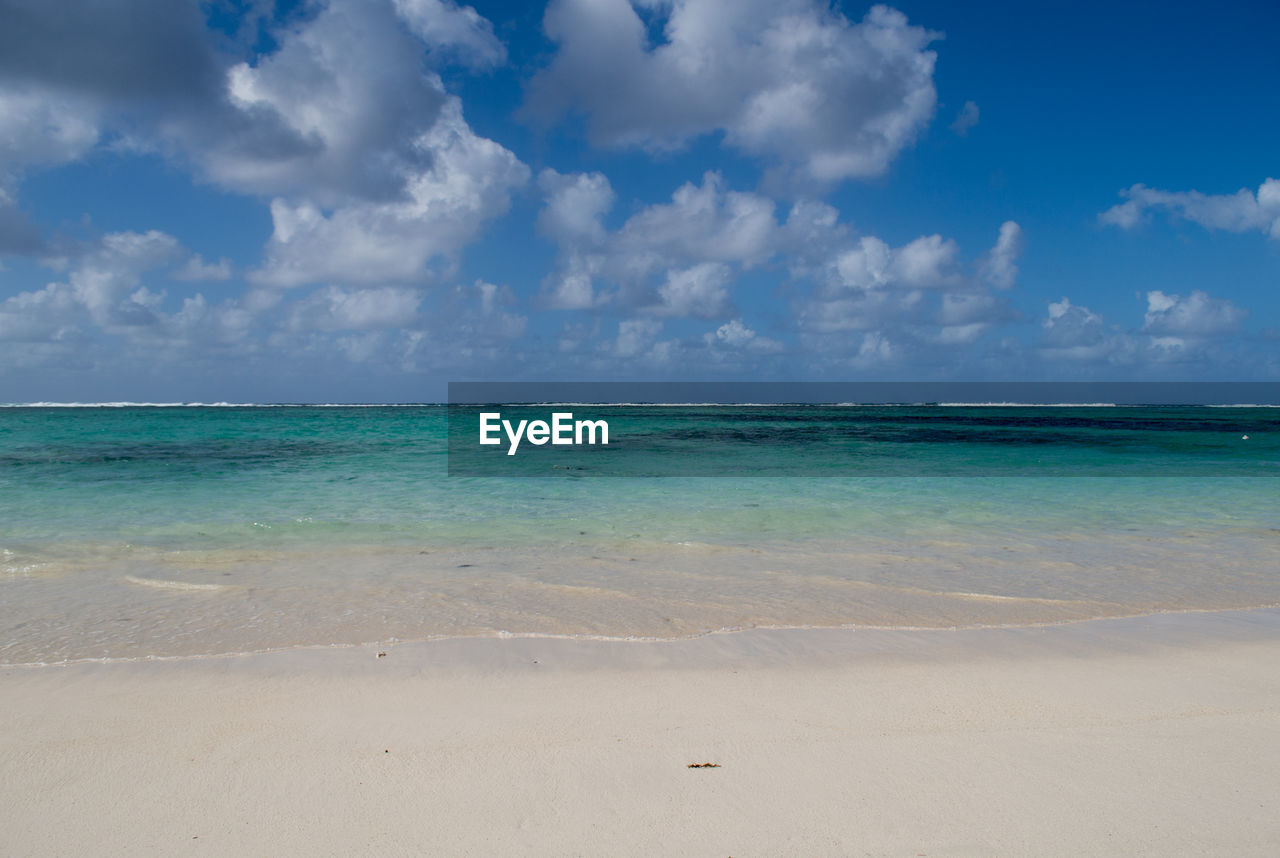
[133, 532]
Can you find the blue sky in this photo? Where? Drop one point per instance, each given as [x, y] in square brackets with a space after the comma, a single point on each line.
[360, 200]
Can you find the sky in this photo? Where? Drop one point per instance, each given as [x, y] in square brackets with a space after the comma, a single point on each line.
[362, 200]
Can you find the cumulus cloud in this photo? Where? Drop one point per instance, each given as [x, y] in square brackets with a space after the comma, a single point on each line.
[39, 127]
[675, 259]
[335, 309]
[106, 291]
[44, 315]
[700, 292]
[1000, 267]
[684, 259]
[735, 336]
[107, 282]
[373, 170]
[113, 306]
[704, 223]
[468, 183]
[1194, 315]
[1243, 211]
[865, 263]
[391, 176]
[574, 206]
[793, 81]
[1176, 329]
[65, 67]
[828, 314]
[572, 285]
[927, 261]
[635, 336]
[334, 112]
[902, 303]
[573, 210]
[474, 327]
[457, 30]
[874, 350]
[1077, 334]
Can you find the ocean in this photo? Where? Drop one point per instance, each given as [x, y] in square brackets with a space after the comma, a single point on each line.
[173, 531]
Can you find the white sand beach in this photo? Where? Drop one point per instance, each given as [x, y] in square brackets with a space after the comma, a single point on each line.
[1147, 736]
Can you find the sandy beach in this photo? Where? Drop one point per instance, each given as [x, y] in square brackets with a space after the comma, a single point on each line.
[618, 428]
[1156, 735]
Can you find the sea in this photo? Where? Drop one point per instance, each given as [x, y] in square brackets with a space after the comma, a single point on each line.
[131, 531]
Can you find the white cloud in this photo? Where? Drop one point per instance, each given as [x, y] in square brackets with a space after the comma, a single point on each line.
[40, 127]
[445, 26]
[63, 68]
[865, 311]
[968, 308]
[573, 210]
[574, 206]
[112, 309]
[105, 292]
[736, 336]
[334, 112]
[926, 261]
[334, 309]
[966, 119]
[45, 315]
[1243, 211]
[874, 350]
[701, 292]
[964, 317]
[681, 260]
[866, 265]
[495, 318]
[341, 109]
[1077, 334]
[373, 171]
[1176, 329]
[676, 258]
[106, 281]
[635, 336]
[790, 80]
[705, 223]
[909, 305]
[468, 183]
[869, 263]
[388, 175]
[1000, 267]
[473, 327]
[1195, 315]
[1060, 311]
[572, 285]
[208, 329]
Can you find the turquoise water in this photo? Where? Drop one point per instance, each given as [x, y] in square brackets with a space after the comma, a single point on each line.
[142, 531]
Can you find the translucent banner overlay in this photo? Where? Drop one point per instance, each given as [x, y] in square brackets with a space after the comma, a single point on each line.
[871, 429]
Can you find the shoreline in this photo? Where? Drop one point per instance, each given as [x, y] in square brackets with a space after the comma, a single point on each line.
[1264, 620]
[1147, 735]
